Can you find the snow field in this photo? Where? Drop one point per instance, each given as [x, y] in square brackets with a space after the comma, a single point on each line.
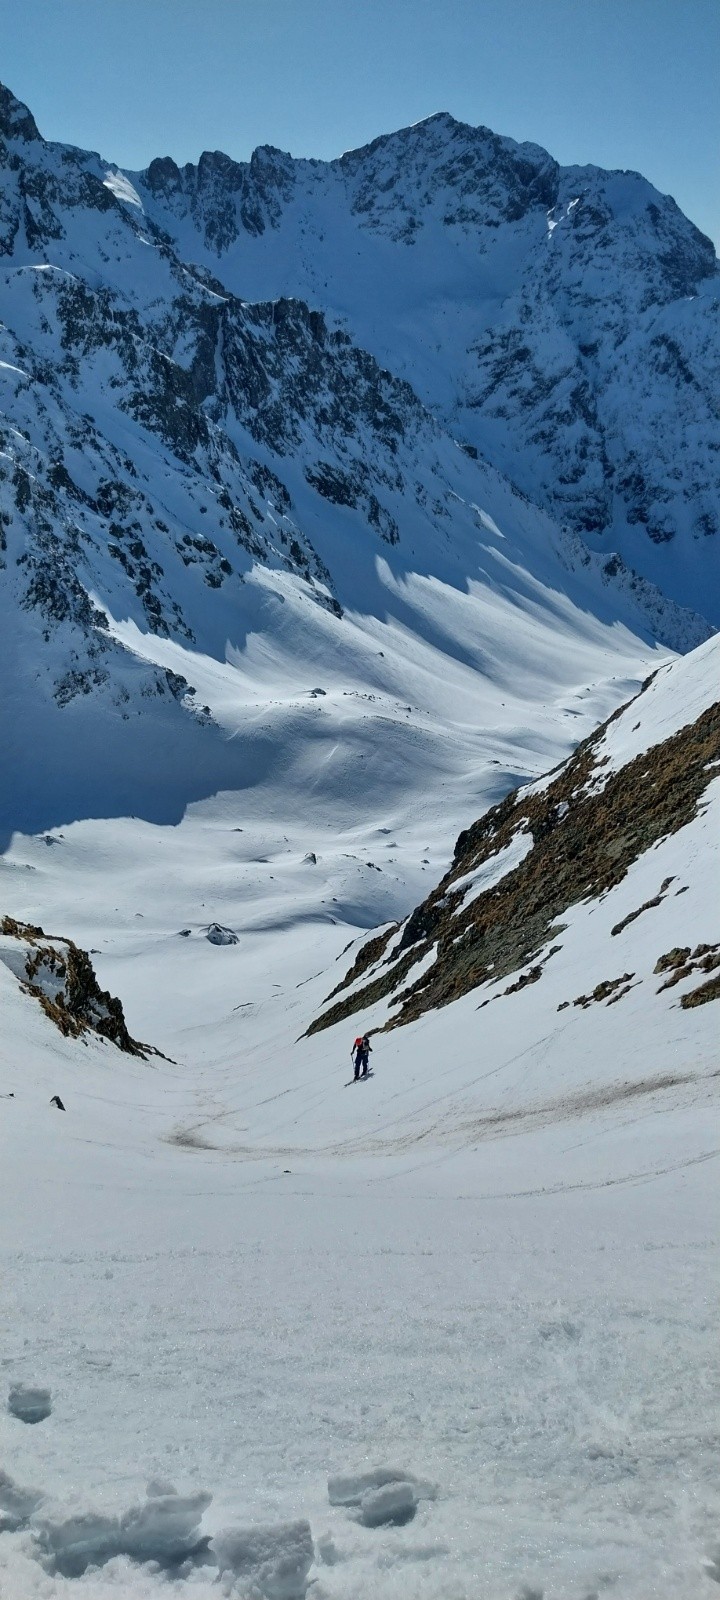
[493, 1268]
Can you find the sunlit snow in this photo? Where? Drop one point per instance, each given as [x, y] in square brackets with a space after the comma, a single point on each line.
[122, 188]
[449, 1332]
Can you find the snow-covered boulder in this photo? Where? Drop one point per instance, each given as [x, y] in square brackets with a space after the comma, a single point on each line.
[216, 934]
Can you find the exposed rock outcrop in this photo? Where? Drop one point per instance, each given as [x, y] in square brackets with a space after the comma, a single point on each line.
[60, 976]
[517, 871]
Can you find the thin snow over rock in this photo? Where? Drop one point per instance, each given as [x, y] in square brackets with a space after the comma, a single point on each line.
[60, 976]
[481, 879]
[520, 869]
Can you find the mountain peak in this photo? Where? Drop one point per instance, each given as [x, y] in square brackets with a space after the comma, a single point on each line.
[439, 119]
[16, 121]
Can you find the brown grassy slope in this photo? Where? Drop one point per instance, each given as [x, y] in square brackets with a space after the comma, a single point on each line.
[580, 854]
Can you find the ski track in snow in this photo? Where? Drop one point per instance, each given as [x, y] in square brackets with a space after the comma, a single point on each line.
[494, 1268]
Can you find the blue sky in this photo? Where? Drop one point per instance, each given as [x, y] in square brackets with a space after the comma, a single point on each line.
[624, 83]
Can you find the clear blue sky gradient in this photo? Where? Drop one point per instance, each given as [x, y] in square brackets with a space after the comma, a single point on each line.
[623, 83]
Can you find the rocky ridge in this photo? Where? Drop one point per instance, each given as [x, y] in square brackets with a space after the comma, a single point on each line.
[567, 839]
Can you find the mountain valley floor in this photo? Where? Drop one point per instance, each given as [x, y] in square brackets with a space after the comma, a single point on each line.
[493, 1268]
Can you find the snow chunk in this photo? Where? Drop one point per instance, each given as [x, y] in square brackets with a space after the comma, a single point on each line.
[165, 1529]
[394, 1504]
[367, 1490]
[327, 1550]
[29, 1404]
[273, 1561]
[122, 189]
[16, 1504]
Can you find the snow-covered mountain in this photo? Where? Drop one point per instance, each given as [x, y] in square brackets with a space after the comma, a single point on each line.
[183, 472]
[562, 320]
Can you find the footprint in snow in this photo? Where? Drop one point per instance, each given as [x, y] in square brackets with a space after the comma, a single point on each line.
[29, 1404]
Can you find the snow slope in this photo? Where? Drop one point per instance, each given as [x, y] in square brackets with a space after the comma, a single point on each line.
[571, 837]
[487, 1273]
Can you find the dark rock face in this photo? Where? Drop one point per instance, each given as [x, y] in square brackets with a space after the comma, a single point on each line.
[487, 180]
[163, 176]
[16, 122]
[224, 196]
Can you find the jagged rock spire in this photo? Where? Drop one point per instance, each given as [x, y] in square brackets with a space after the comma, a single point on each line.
[16, 122]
